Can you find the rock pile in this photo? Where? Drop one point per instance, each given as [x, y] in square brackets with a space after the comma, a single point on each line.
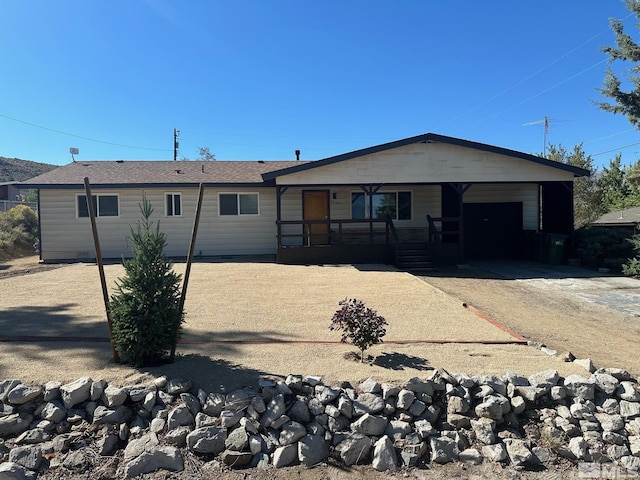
[525, 422]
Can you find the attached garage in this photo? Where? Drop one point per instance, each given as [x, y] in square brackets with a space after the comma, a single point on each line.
[493, 230]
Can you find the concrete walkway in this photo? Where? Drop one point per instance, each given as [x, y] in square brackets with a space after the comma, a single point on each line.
[612, 291]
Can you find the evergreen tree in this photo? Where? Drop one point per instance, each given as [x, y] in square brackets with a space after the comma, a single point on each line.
[145, 310]
[587, 195]
[613, 184]
[625, 98]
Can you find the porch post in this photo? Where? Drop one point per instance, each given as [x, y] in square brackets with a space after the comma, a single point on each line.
[462, 188]
[279, 191]
[370, 190]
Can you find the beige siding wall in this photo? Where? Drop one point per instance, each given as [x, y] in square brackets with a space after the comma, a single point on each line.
[66, 237]
[526, 193]
[425, 200]
[428, 163]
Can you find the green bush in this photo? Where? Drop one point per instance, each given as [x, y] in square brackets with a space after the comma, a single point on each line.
[360, 324]
[603, 247]
[632, 266]
[145, 310]
[18, 231]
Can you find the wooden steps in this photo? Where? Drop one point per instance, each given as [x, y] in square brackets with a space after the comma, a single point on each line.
[414, 257]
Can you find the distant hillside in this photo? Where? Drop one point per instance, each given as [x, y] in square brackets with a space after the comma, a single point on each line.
[15, 169]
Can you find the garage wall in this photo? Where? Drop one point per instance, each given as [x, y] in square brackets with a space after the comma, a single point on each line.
[527, 193]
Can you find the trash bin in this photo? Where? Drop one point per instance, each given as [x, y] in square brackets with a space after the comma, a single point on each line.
[552, 248]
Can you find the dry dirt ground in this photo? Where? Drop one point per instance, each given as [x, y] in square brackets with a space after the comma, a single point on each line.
[555, 317]
[245, 321]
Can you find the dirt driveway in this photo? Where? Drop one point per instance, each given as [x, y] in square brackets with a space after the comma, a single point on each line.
[247, 320]
[589, 314]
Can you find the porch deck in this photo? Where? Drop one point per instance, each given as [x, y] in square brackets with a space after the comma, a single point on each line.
[364, 241]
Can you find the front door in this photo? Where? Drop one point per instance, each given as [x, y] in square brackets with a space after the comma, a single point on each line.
[315, 206]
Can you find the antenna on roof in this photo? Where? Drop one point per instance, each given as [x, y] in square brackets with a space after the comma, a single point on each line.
[544, 121]
[73, 151]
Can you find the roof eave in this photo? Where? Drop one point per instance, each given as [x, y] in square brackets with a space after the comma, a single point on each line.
[427, 138]
[75, 186]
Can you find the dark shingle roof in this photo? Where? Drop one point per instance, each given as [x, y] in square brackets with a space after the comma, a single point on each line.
[161, 173]
[627, 217]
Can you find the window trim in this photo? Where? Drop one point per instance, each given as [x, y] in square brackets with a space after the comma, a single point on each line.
[97, 195]
[166, 213]
[238, 194]
[382, 192]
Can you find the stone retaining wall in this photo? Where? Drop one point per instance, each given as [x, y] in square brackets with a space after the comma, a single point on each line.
[525, 422]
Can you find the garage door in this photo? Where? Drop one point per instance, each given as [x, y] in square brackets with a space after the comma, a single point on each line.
[493, 230]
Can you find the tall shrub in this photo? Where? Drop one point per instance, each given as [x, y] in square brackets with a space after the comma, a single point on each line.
[603, 247]
[145, 310]
[632, 266]
[18, 230]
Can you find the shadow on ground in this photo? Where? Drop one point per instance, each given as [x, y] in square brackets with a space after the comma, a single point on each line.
[211, 375]
[58, 321]
[224, 342]
[515, 270]
[400, 361]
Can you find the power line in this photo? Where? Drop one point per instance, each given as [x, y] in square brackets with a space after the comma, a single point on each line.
[533, 75]
[616, 149]
[82, 137]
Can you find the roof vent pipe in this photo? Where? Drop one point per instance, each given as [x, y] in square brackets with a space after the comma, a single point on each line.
[297, 155]
[202, 168]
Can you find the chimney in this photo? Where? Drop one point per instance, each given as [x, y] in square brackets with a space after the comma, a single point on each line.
[297, 155]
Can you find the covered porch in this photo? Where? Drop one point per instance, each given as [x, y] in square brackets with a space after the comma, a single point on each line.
[417, 226]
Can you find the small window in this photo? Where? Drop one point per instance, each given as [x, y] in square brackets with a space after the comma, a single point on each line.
[396, 205]
[173, 204]
[238, 204]
[104, 205]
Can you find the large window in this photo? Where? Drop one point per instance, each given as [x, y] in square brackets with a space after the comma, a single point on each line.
[173, 204]
[105, 205]
[238, 204]
[396, 205]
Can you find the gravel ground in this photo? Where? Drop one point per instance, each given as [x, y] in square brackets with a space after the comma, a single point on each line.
[239, 315]
[556, 312]
[242, 303]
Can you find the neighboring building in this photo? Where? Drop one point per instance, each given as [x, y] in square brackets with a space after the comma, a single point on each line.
[627, 219]
[10, 195]
[370, 205]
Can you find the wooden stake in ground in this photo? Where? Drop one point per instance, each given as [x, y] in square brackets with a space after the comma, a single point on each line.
[192, 246]
[103, 281]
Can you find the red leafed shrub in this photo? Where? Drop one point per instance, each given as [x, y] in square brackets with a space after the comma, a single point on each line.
[359, 324]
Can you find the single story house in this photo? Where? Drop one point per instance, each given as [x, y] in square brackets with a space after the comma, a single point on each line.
[627, 219]
[428, 198]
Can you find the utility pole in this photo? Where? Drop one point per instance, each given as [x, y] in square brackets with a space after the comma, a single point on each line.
[176, 133]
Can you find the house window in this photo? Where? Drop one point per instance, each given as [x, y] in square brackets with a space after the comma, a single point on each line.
[238, 204]
[104, 205]
[173, 204]
[396, 205]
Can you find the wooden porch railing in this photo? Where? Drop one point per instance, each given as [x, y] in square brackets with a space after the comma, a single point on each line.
[371, 231]
[434, 235]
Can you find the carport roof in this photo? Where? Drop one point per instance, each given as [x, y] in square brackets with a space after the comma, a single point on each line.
[428, 138]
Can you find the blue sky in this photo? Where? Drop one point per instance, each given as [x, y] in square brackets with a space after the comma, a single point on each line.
[258, 79]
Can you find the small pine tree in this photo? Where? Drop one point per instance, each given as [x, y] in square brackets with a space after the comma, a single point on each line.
[360, 324]
[145, 310]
